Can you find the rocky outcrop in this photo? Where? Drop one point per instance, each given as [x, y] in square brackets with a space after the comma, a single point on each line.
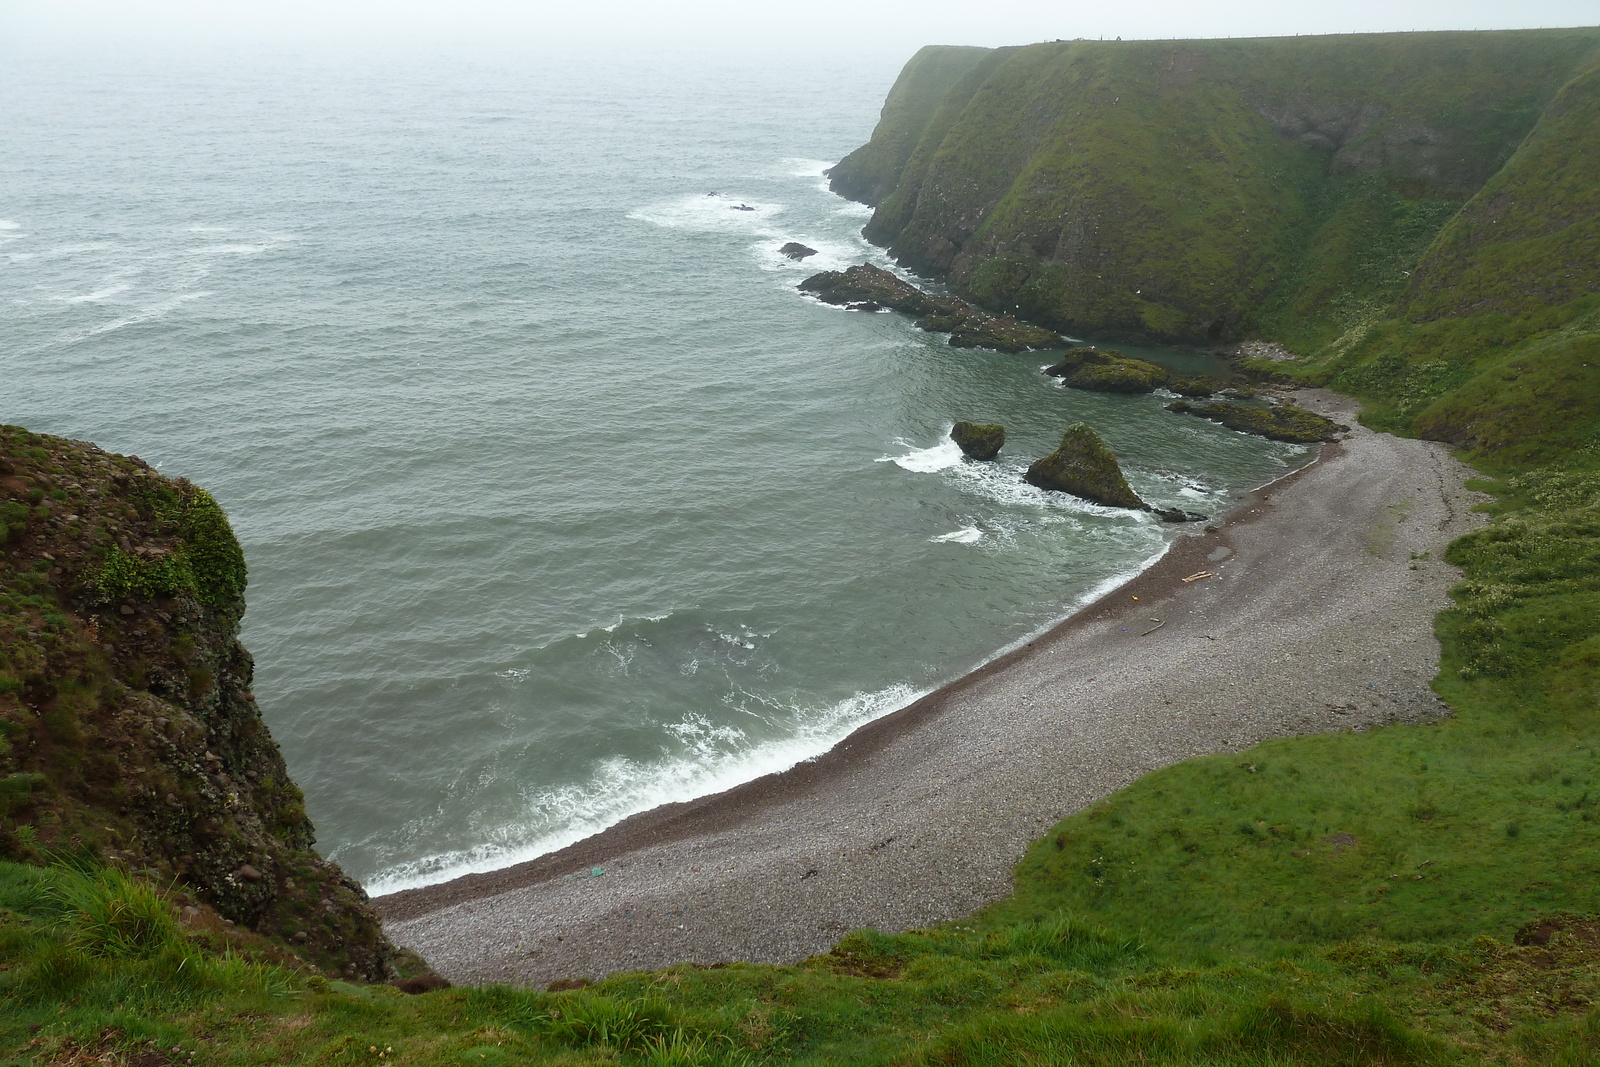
[128, 729]
[1280, 422]
[868, 288]
[980, 440]
[797, 251]
[1085, 467]
[1108, 371]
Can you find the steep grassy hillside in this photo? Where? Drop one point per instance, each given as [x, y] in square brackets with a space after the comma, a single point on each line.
[1199, 190]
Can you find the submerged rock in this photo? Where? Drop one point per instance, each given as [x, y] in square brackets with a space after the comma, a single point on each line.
[1283, 422]
[797, 251]
[980, 440]
[1108, 371]
[967, 326]
[1084, 466]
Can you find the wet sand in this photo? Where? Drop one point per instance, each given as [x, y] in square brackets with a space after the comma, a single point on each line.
[1319, 617]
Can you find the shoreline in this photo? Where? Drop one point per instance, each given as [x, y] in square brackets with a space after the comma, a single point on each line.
[666, 822]
[900, 824]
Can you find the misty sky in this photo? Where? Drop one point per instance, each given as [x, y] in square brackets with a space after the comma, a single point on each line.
[898, 25]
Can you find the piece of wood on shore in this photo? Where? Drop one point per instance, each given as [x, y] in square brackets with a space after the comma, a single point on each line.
[1199, 575]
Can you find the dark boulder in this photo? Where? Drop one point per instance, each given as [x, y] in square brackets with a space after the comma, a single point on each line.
[1108, 371]
[1283, 422]
[980, 440]
[797, 251]
[1084, 466]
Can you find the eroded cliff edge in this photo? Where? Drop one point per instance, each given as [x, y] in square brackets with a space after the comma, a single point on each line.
[128, 730]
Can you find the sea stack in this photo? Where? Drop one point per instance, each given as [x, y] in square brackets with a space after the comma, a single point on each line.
[980, 440]
[1084, 466]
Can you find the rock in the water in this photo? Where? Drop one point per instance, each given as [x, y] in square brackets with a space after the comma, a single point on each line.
[1179, 515]
[967, 326]
[797, 251]
[980, 440]
[1284, 422]
[1108, 371]
[1084, 466]
[1204, 385]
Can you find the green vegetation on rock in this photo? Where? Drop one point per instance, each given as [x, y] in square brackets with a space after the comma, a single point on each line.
[1084, 466]
[1108, 371]
[128, 732]
[980, 440]
[1279, 422]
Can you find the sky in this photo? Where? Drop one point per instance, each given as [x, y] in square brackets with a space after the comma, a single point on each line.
[896, 25]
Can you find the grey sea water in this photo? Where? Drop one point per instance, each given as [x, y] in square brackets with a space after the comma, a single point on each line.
[560, 501]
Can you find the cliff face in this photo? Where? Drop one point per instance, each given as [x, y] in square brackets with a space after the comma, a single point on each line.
[1193, 190]
[128, 730]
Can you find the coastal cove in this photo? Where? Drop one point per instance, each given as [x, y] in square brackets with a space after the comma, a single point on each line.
[560, 500]
[629, 512]
[1317, 618]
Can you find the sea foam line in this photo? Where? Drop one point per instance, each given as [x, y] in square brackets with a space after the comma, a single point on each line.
[718, 758]
[622, 788]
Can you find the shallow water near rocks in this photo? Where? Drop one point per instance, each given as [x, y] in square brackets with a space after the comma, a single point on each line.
[560, 501]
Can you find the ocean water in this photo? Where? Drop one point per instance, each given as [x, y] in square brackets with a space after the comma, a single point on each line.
[560, 501]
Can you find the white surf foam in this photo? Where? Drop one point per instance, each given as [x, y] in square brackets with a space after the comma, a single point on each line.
[714, 757]
[712, 213]
[830, 255]
[967, 535]
[95, 297]
[928, 460]
[796, 167]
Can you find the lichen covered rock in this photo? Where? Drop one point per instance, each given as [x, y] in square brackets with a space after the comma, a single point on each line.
[868, 288]
[128, 730]
[1282, 422]
[1085, 467]
[980, 440]
[1108, 371]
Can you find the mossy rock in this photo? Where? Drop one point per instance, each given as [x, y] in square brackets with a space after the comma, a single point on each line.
[1084, 466]
[980, 440]
[1108, 371]
[1200, 386]
[1285, 422]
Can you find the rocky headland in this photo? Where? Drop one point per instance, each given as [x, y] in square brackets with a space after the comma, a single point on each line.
[128, 729]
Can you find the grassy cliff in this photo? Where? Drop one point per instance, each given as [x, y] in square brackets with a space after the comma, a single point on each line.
[1200, 189]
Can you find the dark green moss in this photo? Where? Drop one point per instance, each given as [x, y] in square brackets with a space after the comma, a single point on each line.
[980, 440]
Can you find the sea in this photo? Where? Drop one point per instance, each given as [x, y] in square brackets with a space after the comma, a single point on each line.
[560, 500]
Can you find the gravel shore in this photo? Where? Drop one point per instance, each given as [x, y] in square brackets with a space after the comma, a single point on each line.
[1319, 617]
